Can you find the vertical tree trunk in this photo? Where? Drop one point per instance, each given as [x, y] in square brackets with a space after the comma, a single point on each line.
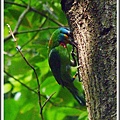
[93, 23]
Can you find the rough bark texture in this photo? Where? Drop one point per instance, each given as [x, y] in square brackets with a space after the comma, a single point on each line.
[93, 23]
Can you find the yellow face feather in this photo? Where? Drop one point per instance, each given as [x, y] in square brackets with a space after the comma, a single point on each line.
[50, 42]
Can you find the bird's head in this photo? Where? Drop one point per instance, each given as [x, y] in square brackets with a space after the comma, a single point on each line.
[60, 36]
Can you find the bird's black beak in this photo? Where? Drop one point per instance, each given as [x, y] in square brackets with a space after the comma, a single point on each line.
[73, 43]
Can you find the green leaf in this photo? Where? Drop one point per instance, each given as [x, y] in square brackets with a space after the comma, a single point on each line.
[11, 109]
[18, 66]
[48, 85]
[27, 107]
[7, 87]
[83, 116]
[70, 111]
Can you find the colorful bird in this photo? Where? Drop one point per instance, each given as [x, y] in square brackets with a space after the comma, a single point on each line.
[60, 63]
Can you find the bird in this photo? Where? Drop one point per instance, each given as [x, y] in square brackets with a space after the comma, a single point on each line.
[60, 63]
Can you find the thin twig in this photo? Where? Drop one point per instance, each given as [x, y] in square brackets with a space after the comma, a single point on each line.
[20, 82]
[36, 30]
[32, 36]
[25, 85]
[17, 47]
[21, 17]
[28, 31]
[46, 102]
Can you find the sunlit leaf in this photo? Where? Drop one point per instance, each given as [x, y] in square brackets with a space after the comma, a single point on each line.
[7, 87]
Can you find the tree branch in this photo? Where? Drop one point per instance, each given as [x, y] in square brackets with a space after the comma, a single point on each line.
[28, 31]
[21, 17]
[34, 10]
[46, 102]
[36, 30]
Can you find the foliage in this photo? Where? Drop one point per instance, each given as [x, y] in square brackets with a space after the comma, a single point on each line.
[21, 100]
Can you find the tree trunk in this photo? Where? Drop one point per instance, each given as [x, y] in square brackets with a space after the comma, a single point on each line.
[93, 23]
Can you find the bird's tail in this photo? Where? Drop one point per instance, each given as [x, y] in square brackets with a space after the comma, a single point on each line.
[78, 96]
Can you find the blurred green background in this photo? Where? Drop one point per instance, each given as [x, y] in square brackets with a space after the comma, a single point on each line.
[20, 84]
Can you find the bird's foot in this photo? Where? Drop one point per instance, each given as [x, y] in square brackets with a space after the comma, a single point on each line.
[73, 78]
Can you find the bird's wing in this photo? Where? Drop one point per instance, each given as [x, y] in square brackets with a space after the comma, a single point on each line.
[55, 65]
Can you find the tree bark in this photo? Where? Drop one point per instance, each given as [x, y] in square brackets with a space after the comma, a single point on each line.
[93, 23]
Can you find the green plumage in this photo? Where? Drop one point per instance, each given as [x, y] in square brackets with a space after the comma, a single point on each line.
[59, 62]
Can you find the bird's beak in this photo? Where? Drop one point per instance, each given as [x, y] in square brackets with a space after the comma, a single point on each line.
[67, 40]
[73, 43]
